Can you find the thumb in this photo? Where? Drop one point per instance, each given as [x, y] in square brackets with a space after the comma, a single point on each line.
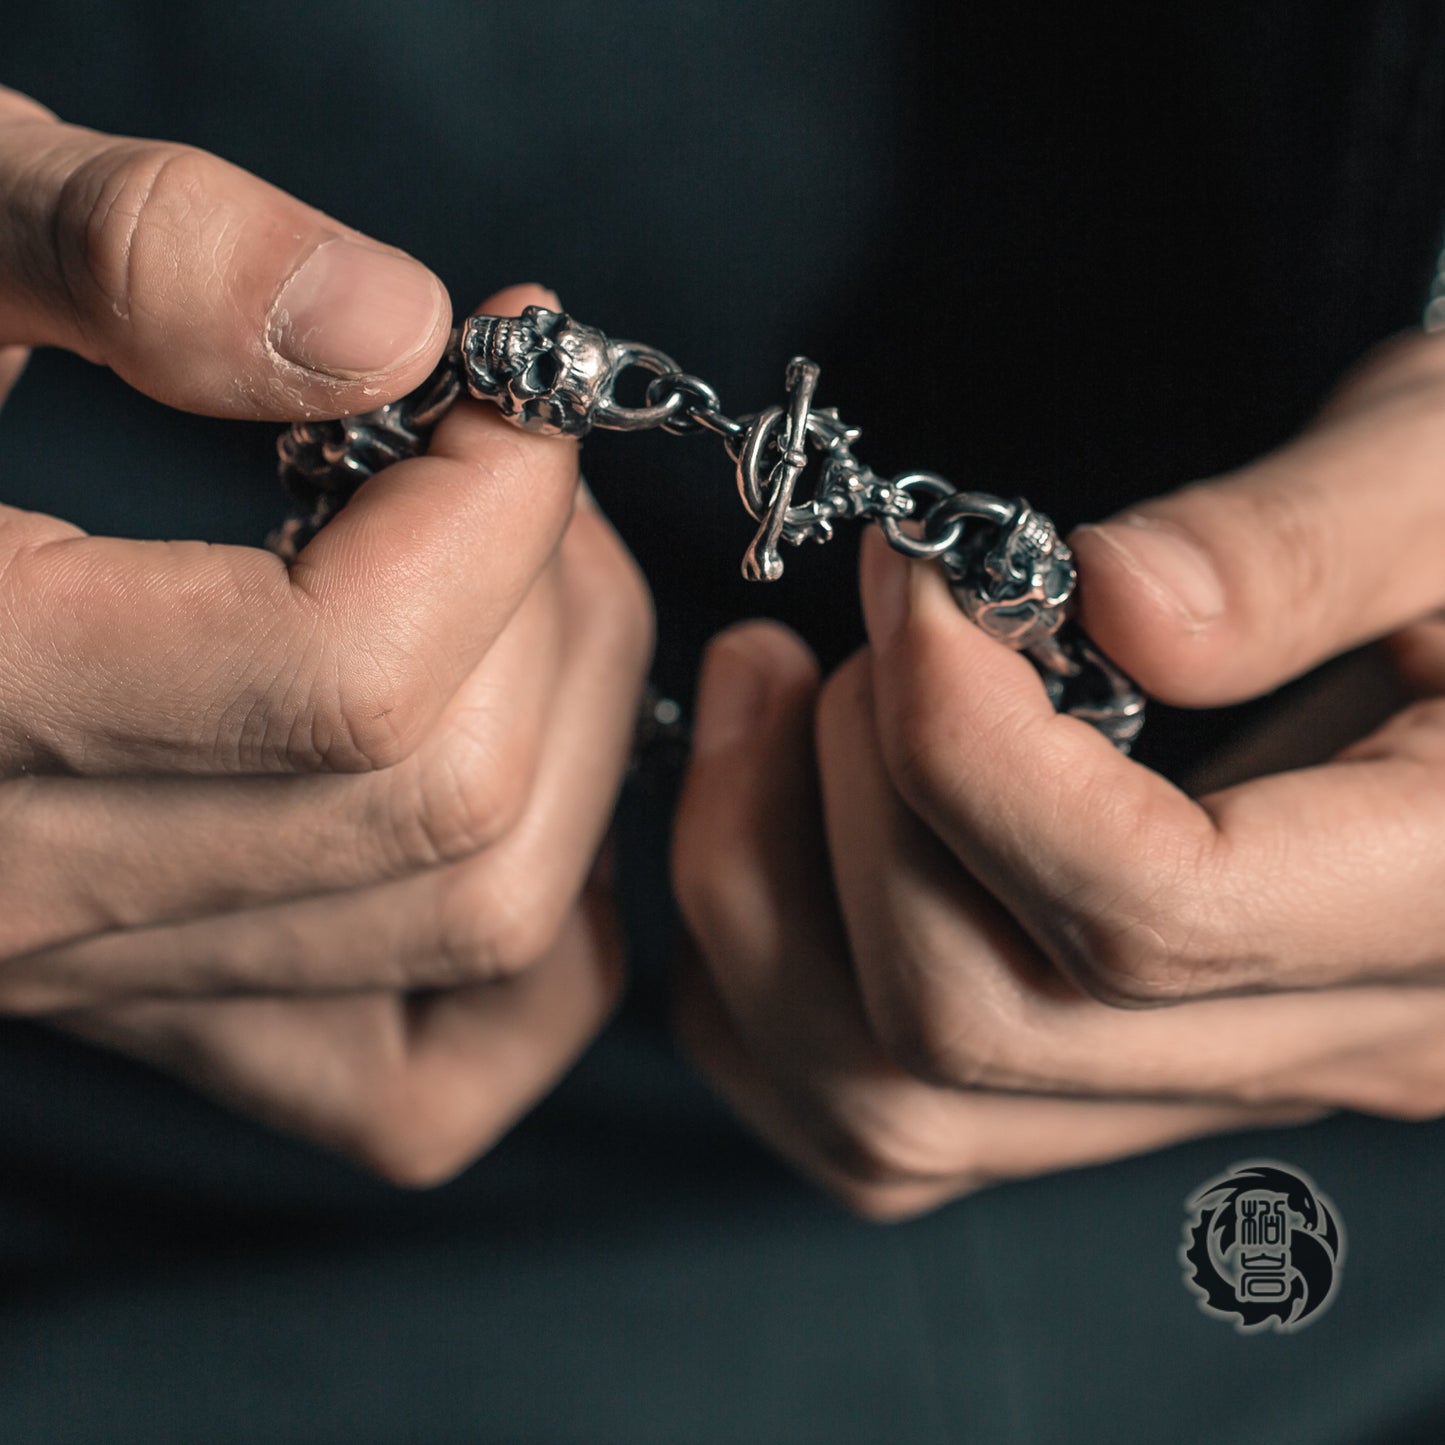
[198, 283]
[1229, 587]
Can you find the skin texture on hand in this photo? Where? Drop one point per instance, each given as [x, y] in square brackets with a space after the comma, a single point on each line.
[317, 839]
[199, 284]
[993, 946]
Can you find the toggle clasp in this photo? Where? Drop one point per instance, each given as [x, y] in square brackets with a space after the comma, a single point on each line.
[761, 562]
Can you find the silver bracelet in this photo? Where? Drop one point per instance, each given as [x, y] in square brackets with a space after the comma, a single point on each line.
[1006, 564]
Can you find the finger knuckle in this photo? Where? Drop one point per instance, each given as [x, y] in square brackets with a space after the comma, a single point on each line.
[465, 811]
[410, 1159]
[917, 762]
[365, 716]
[414, 1144]
[925, 750]
[459, 804]
[496, 921]
[1178, 928]
[1411, 1094]
[941, 1040]
[369, 730]
[118, 210]
[1134, 961]
[882, 1143]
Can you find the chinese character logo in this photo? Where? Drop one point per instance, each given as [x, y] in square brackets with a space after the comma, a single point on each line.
[1263, 1248]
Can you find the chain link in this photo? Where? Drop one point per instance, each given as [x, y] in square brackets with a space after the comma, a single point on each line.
[698, 406]
[939, 530]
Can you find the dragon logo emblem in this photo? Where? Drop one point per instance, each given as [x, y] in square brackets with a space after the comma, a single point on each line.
[1262, 1248]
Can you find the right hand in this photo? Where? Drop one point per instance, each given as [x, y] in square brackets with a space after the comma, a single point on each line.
[388, 769]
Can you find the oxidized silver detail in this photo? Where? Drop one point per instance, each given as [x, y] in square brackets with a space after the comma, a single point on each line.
[613, 416]
[544, 371]
[324, 462]
[1016, 584]
[1006, 564]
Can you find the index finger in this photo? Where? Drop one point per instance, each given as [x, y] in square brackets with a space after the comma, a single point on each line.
[1106, 865]
[124, 656]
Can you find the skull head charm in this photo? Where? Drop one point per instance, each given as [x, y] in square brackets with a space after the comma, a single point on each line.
[546, 372]
[1016, 584]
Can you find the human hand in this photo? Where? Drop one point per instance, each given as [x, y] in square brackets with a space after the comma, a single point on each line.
[945, 937]
[384, 771]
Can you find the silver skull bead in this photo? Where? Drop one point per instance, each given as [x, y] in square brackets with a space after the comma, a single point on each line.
[1016, 584]
[548, 373]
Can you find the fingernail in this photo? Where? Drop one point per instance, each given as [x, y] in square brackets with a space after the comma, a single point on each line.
[887, 588]
[1169, 562]
[353, 310]
[730, 701]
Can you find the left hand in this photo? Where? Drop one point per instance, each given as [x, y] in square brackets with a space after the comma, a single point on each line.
[414, 1086]
[947, 937]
